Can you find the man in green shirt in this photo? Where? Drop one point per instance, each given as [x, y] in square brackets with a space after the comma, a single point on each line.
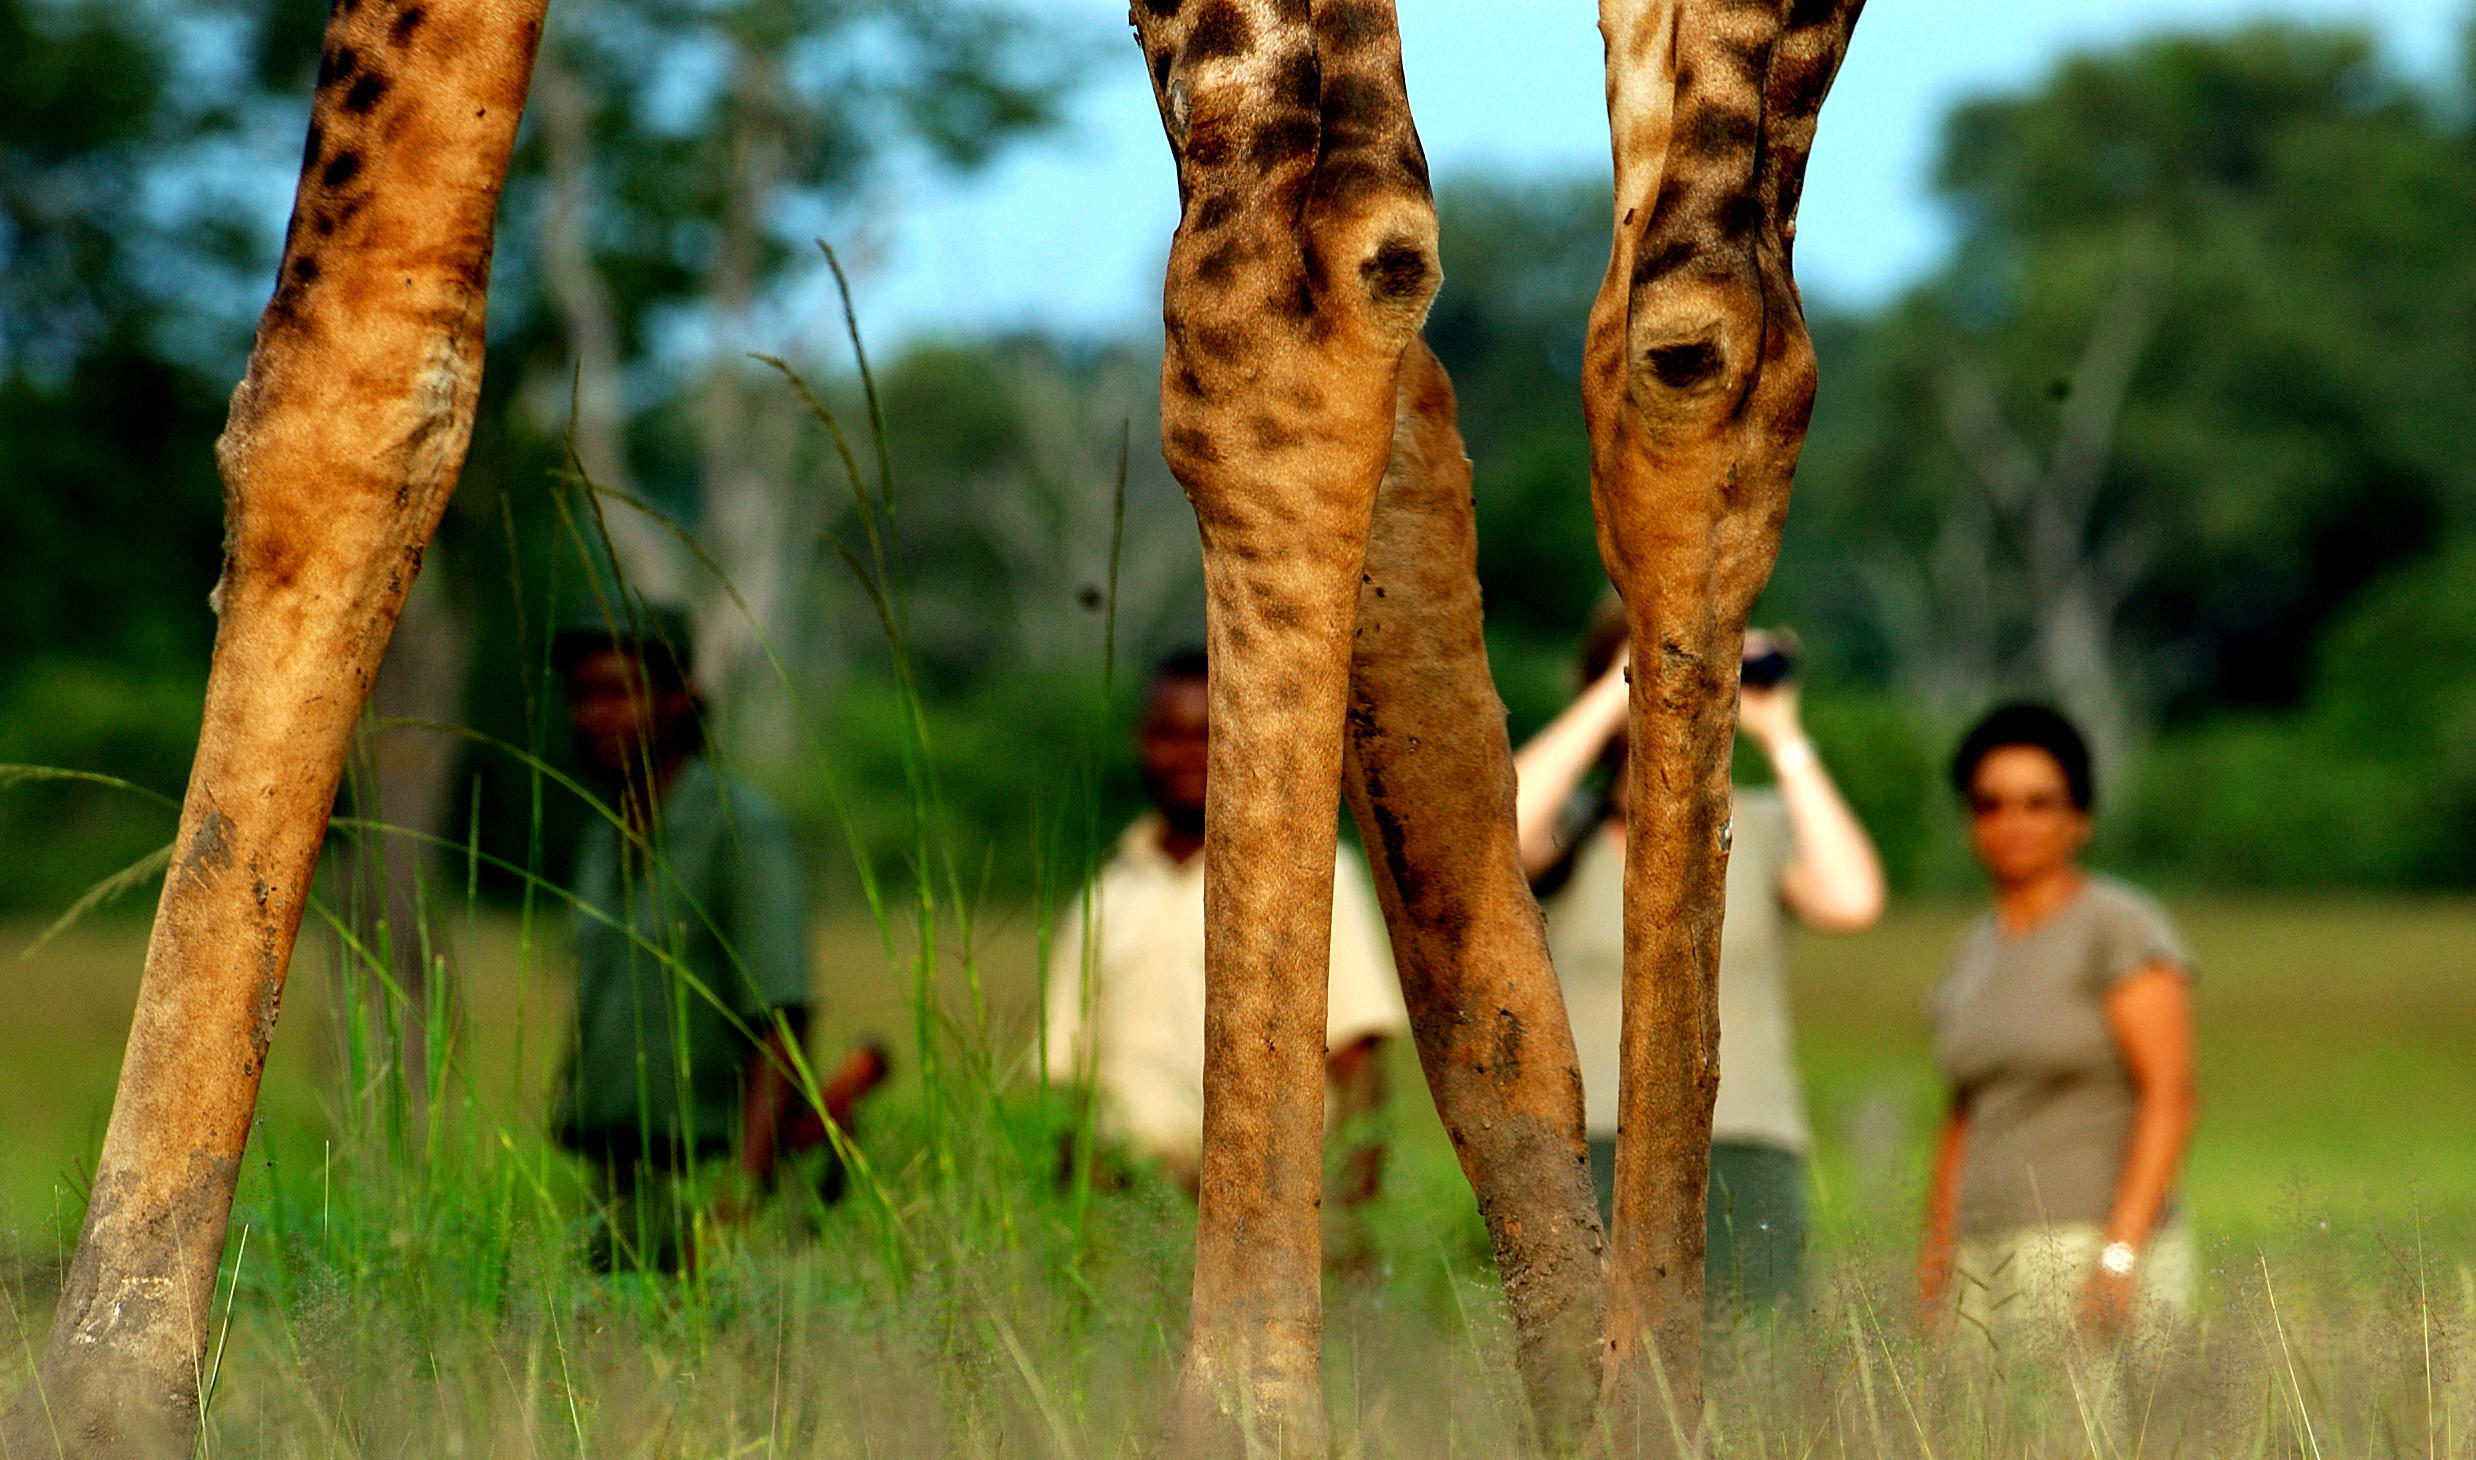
[691, 949]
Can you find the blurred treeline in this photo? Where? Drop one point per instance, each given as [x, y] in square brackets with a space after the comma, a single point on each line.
[2176, 435]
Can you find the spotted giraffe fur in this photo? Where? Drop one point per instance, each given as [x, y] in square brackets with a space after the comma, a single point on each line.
[1304, 260]
[1314, 435]
[344, 441]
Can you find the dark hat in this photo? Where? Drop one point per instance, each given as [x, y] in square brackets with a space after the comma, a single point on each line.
[660, 634]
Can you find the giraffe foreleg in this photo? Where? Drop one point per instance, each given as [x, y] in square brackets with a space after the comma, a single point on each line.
[1698, 381]
[1431, 783]
[345, 439]
[1303, 266]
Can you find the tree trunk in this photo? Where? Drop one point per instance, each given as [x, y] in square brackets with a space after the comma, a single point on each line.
[344, 442]
[750, 513]
[648, 557]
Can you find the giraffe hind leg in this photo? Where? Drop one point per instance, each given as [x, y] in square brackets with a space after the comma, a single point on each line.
[1431, 783]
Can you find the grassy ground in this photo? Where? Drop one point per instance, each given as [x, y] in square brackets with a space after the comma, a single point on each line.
[407, 1287]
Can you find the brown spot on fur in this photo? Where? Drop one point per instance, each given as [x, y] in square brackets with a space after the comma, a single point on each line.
[1194, 445]
[1660, 262]
[340, 169]
[1282, 140]
[1209, 148]
[1353, 26]
[1221, 32]
[1752, 58]
[1797, 92]
[1217, 266]
[1720, 131]
[1216, 342]
[1355, 108]
[365, 94]
[405, 24]
[1298, 79]
[1738, 217]
[1270, 433]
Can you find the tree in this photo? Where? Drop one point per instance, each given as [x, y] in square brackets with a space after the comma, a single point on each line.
[2296, 425]
[678, 209]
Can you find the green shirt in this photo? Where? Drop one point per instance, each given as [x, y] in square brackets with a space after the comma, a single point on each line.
[707, 916]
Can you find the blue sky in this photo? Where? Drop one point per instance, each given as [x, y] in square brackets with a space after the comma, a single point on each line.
[1069, 233]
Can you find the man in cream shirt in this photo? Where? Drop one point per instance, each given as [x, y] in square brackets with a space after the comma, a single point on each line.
[1125, 993]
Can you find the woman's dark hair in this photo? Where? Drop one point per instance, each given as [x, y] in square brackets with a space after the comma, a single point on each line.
[2038, 726]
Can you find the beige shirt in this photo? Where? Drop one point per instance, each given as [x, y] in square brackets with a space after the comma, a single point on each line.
[1136, 1028]
[2022, 1035]
[1760, 1101]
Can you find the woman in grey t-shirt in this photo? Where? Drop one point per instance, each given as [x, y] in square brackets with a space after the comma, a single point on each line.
[2065, 1029]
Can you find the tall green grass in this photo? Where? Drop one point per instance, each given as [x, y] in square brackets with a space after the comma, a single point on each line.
[405, 1276]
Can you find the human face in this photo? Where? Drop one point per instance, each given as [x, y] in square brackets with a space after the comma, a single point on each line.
[2021, 818]
[613, 713]
[1174, 745]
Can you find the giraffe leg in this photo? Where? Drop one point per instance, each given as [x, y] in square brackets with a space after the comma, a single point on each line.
[345, 439]
[1303, 266]
[1431, 783]
[1698, 382]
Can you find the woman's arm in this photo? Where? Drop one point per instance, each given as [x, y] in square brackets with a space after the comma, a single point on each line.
[1554, 762]
[2150, 1013]
[1934, 1258]
[1835, 881]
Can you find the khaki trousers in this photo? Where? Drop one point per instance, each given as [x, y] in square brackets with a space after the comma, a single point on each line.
[2017, 1293]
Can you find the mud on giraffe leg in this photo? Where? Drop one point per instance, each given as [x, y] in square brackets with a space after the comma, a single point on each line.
[1431, 783]
[345, 439]
[1698, 380]
[1303, 265]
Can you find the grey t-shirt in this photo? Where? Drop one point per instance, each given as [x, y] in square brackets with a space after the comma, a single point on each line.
[2022, 1035]
[1759, 1099]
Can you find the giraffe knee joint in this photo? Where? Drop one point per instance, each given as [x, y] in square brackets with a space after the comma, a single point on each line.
[1399, 280]
[1383, 262]
[1683, 355]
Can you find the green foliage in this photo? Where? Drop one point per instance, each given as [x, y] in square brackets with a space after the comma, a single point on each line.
[2298, 420]
[1032, 774]
[1521, 266]
[88, 716]
[2372, 784]
[1889, 767]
